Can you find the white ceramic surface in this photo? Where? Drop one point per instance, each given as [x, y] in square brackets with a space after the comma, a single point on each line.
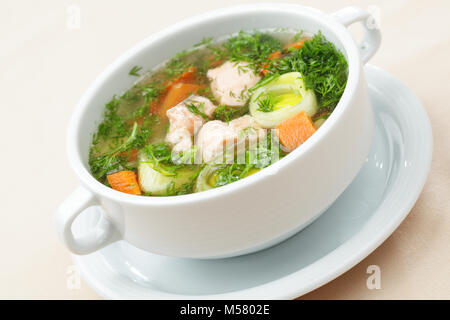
[247, 215]
[369, 210]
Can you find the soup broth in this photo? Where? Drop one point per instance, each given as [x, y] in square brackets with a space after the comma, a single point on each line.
[217, 113]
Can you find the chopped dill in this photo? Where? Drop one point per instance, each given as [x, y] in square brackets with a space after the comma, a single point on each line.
[113, 127]
[205, 42]
[298, 36]
[324, 68]
[197, 110]
[141, 111]
[266, 103]
[228, 113]
[185, 188]
[206, 92]
[159, 155]
[117, 159]
[253, 47]
[230, 173]
[177, 64]
[135, 71]
[150, 93]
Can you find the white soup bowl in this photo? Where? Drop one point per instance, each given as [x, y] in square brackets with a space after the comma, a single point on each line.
[248, 215]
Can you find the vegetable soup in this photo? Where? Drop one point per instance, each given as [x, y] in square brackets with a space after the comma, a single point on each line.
[217, 113]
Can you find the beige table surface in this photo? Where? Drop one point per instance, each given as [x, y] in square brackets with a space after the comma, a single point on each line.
[45, 67]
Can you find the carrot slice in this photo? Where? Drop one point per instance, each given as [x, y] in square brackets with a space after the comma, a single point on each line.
[124, 181]
[177, 93]
[295, 45]
[154, 106]
[131, 154]
[264, 69]
[186, 76]
[274, 55]
[278, 54]
[295, 130]
[213, 60]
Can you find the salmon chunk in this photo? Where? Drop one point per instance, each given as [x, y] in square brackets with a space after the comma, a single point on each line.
[230, 82]
[203, 105]
[213, 137]
[246, 127]
[216, 136]
[181, 139]
[184, 124]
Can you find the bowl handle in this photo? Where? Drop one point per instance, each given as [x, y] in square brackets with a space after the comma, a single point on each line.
[372, 38]
[101, 235]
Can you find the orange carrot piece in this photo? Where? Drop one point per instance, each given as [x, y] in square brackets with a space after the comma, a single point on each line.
[154, 106]
[188, 73]
[295, 45]
[124, 181]
[177, 93]
[274, 55]
[264, 69]
[295, 130]
[186, 76]
[215, 63]
[213, 60]
[132, 155]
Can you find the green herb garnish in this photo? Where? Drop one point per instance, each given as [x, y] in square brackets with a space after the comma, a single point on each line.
[135, 71]
[151, 93]
[266, 103]
[322, 114]
[205, 42]
[159, 155]
[298, 36]
[228, 113]
[113, 127]
[230, 173]
[323, 67]
[206, 92]
[185, 188]
[197, 109]
[131, 95]
[266, 153]
[117, 159]
[261, 83]
[254, 47]
[177, 64]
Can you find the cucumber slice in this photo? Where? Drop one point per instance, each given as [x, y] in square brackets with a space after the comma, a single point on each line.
[290, 97]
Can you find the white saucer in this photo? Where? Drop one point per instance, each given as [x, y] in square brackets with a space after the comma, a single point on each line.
[369, 210]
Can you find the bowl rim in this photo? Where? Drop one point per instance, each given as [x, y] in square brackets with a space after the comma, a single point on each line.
[354, 66]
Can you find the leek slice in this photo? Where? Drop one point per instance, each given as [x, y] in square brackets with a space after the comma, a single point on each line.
[156, 182]
[289, 95]
[206, 178]
[318, 123]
